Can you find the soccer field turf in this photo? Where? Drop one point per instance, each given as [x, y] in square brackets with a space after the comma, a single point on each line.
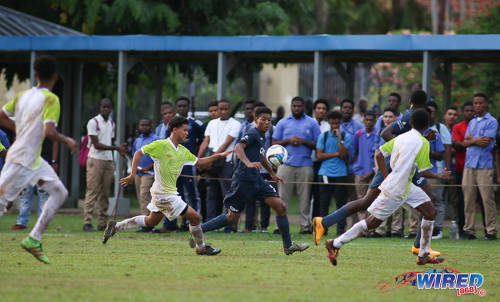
[251, 267]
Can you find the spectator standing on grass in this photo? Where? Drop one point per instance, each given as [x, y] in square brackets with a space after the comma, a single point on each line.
[331, 149]
[320, 110]
[188, 186]
[100, 166]
[458, 144]
[351, 127]
[245, 125]
[50, 152]
[440, 165]
[450, 194]
[478, 170]
[145, 173]
[220, 136]
[297, 133]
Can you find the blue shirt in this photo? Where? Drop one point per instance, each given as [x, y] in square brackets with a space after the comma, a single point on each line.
[145, 159]
[379, 125]
[162, 131]
[244, 126]
[335, 166]
[365, 144]
[477, 157]
[351, 127]
[436, 145]
[5, 142]
[306, 128]
[254, 150]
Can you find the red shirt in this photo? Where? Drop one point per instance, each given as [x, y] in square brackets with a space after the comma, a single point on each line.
[459, 135]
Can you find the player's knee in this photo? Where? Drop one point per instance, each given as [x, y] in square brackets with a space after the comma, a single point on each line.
[232, 218]
[430, 213]
[280, 209]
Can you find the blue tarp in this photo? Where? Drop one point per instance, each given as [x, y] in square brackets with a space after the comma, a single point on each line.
[254, 43]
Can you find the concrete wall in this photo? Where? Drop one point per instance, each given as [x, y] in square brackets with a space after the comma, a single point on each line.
[278, 85]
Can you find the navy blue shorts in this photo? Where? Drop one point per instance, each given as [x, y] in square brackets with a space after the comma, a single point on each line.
[243, 191]
[417, 180]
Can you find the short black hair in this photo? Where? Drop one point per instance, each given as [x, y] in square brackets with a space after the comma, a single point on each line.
[262, 110]
[250, 101]
[45, 67]
[467, 104]
[224, 101]
[146, 119]
[420, 119]
[298, 99]
[391, 110]
[432, 104]
[105, 100]
[397, 95]
[451, 107]
[346, 101]
[166, 104]
[176, 122]
[418, 97]
[258, 104]
[371, 113]
[321, 101]
[183, 98]
[334, 115]
[480, 95]
[213, 104]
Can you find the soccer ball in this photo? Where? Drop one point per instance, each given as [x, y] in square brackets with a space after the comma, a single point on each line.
[276, 155]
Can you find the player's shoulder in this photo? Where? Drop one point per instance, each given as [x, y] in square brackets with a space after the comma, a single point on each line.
[50, 97]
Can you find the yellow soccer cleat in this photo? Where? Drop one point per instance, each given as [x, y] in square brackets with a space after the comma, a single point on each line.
[318, 230]
[432, 253]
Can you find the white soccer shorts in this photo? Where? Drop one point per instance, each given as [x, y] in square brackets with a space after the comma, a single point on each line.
[384, 206]
[170, 205]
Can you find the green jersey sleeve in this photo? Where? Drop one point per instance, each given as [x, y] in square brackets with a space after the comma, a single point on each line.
[10, 107]
[52, 108]
[1, 147]
[154, 148]
[423, 159]
[189, 158]
[387, 147]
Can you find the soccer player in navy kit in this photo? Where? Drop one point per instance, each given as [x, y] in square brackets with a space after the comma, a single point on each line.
[248, 184]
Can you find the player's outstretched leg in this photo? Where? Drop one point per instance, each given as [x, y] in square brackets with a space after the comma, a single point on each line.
[134, 222]
[197, 234]
[32, 244]
[416, 243]
[333, 246]
[320, 224]
[279, 207]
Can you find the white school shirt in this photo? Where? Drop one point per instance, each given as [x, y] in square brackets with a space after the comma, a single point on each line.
[105, 135]
[218, 130]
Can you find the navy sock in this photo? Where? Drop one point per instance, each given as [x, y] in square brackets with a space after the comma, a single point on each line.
[335, 217]
[215, 223]
[416, 243]
[283, 226]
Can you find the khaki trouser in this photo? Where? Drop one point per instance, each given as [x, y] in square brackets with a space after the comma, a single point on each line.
[361, 188]
[414, 217]
[100, 176]
[143, 185]
[299, 174]
[479, 177]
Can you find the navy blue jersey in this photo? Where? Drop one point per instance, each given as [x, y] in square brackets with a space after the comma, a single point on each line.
[417, 180]
[403, 125]
[196, 133]
[254, 150]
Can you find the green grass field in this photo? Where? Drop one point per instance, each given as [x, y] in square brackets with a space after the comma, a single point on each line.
[251, 267]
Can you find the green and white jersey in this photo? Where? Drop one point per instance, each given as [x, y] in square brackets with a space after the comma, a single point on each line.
[32, 109]
[408, 151]
[168, 162]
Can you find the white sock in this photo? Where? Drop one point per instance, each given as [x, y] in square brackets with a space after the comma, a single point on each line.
[3, 206]
[134, 222]
[57, 196]
[425, 238]
[197, 233]
[354, 232]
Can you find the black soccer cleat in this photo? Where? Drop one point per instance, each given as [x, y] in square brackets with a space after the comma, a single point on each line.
[429, 260]
[208, 251]
[109, 231]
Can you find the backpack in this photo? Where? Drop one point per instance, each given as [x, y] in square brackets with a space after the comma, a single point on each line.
[85, 147]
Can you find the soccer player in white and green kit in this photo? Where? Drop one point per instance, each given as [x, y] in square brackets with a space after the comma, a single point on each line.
[37, 112]
[169, 156]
